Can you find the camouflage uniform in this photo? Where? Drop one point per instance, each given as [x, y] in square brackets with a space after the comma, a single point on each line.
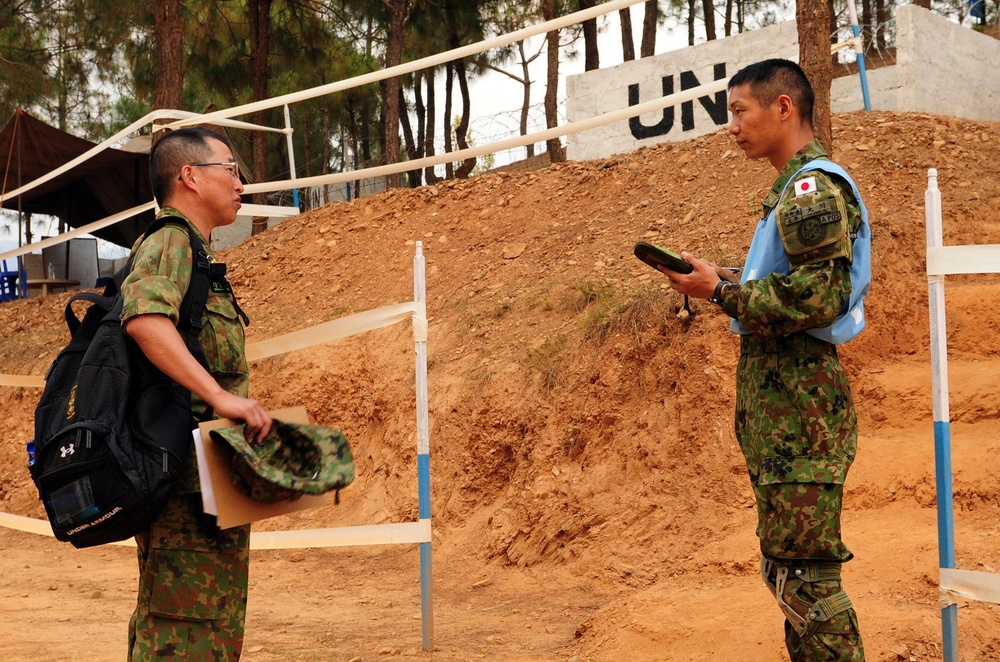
[192, 576]
[796, 425]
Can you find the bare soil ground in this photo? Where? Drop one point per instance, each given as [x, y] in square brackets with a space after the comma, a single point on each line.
[589, 498]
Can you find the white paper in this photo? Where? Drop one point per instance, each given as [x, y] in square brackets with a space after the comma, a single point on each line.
[207, 493]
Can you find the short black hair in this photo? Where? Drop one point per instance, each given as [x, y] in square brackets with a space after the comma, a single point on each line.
[175, 150]
[770, 79]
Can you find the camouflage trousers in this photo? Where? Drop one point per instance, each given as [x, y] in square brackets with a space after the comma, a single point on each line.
[797, 428]
[192, 587]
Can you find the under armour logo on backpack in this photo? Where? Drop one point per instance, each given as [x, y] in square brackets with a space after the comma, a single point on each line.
[66, 450]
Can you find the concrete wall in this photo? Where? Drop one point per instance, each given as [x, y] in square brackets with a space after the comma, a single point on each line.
[946, 69]
[941, 68]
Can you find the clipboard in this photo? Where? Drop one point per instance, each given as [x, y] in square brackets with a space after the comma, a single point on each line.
[220, 497]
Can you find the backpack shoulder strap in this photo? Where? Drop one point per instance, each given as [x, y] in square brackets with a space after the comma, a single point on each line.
[192, 309]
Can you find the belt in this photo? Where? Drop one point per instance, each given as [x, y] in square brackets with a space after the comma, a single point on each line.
[800, 343]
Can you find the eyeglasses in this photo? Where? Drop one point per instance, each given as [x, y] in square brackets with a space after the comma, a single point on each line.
[231, 166]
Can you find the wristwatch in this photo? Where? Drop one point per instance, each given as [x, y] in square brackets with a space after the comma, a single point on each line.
[717, 294]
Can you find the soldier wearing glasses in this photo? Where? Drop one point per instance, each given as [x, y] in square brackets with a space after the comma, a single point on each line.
[192, 576]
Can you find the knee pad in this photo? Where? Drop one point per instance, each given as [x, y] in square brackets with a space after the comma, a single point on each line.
[767, 574]
[804, 618]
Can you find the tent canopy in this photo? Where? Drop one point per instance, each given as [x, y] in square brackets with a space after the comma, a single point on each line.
[109, 182]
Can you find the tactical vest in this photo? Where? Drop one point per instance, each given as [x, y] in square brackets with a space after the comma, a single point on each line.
[767, 255]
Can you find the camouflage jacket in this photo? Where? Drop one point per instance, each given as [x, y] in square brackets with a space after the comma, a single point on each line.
[160, 276]
[811, 295]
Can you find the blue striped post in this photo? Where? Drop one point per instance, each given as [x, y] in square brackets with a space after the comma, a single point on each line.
[862, 72]
[423, 443]
[942, 426]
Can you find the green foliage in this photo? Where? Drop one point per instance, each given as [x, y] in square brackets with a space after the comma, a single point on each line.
[24, 58]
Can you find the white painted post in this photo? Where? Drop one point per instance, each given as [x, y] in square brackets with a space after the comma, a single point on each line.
[942, 429]
[291, 156]
[423, 442]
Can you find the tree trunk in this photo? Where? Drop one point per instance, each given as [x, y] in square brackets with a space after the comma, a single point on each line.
[421, 110]
[449, 85]
[591, 57]
[169, 29]
[866, 21]
[709, 7]
[926, 4]
[306, 152]
[628, 42]
[462, 130]
[399, 14]
[326, 143]
[554, 146]
[880, 19]
[525, 97]
[430, 176]
[729, 17]
[356, 134]
[833, 31]
[814, 57]
[412, 176]
[690, 22]
[649, 20]
[260, 32]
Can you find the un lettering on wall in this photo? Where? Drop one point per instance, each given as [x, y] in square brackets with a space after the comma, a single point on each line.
[631, 83]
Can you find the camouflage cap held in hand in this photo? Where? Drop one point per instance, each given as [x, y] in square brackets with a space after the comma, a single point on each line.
[292, 460]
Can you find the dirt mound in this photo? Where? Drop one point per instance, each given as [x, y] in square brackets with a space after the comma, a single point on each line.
[581, 429]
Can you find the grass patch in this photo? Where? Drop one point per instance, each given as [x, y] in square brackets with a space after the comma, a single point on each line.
[540, 302]
[609, 311]
[543, 359]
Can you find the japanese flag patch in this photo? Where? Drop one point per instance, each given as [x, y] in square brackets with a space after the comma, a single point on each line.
[806, 185]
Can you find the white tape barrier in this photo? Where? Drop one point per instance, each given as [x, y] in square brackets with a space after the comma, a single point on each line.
[339, 328]
[251, 210]
[968, 585]
[973, 259]
[368, 320]
[346, 536]
[853, 42]
[24, 381]
[77, 232]
[416, 65]
[246, 210]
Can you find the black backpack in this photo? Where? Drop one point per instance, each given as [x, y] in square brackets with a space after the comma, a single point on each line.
[113, 433]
